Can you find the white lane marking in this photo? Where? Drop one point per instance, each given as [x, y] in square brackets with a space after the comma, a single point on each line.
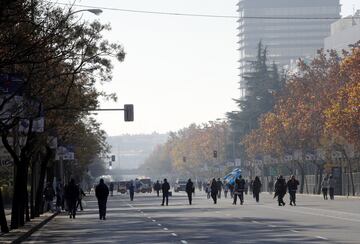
[173, 234]
[159, 224]
[227, 214]
[313, 214]
[183, 242]
[295, 231]
[320, 237]
[149, 217]
[165, 229]
[153, 220]
[272, 226]
[217, 212]
[255, 222]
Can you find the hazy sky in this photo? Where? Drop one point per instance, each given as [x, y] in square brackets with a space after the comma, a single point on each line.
[178, 70]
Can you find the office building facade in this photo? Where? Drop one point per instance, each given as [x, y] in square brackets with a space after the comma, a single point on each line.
[344, 32]
[290, 29]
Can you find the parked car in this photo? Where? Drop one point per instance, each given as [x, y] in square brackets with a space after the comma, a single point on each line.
[180, 185]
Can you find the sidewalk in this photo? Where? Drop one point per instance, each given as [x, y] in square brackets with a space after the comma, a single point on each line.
[19, 235]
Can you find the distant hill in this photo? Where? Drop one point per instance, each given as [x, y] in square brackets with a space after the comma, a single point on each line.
[132, 150]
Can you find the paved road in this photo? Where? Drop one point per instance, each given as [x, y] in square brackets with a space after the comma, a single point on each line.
[313, 220]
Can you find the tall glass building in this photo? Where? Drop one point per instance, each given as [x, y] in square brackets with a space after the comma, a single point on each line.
[282, 27]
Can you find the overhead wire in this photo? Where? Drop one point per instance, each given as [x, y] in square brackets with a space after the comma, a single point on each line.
[203, 15]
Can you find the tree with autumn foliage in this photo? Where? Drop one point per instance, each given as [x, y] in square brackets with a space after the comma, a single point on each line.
[190, 152]
[59, 58]
[262, 81]
[318, 100]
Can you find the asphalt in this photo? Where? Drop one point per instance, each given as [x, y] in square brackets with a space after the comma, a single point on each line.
[23, 233]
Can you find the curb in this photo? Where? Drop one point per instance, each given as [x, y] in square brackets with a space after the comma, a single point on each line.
[32, 229]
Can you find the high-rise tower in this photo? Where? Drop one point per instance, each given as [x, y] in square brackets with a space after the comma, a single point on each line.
[283, 27]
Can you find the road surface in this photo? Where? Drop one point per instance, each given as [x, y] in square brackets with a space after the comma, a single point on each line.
[144, 220]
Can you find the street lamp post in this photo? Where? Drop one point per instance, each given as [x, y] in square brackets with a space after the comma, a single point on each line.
[95, 11]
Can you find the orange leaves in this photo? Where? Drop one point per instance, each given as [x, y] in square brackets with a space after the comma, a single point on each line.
[321, 101]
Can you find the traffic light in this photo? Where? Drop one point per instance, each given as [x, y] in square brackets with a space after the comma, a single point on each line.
[110, 164]
[215, 154]
[113, 158]
[128, 112]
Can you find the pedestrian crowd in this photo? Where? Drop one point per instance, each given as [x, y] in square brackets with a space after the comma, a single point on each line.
[70, 196]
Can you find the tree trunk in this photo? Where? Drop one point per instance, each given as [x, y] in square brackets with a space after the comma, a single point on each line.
[16, 202]
[350, 171]
[24, 194]
[321, 170]
[3, 222]
[39, 191]
[351, 176]
[302, 174]
[316, 180]
[32, 209]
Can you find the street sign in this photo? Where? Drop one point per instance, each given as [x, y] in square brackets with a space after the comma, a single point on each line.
[38, 125]
[52, 142]
[10, 84]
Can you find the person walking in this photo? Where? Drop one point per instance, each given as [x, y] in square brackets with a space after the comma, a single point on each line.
[111, 188]
[132, 190]
[239, 189]
[208, 190]
[292, 185]
[256, 188]
[49, 195]
[190, 190]
[331, 187]
[271, 186]
[214, 190]
[59, 196]
[226, 189]
[280, 190]
[102, 193]
[219, 186]
[80, 198]
[165, 191]
[157, 187]
[72, 194]
[324, 187]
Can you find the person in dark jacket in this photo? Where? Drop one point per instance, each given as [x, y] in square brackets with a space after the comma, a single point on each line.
[239, 189]
[72, 195]
[131, 190]
[157, 187]
[165, 191]
[214, 190]
[80, 197]
[102, 193]
[292, 185]
[49, 195]
[190, 190]
[220, 187]
[331, 184]
[324, 187]
[280, 190]
[111, 189]
[256, 188]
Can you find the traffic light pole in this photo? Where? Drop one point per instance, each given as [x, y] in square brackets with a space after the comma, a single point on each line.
[128, 111]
